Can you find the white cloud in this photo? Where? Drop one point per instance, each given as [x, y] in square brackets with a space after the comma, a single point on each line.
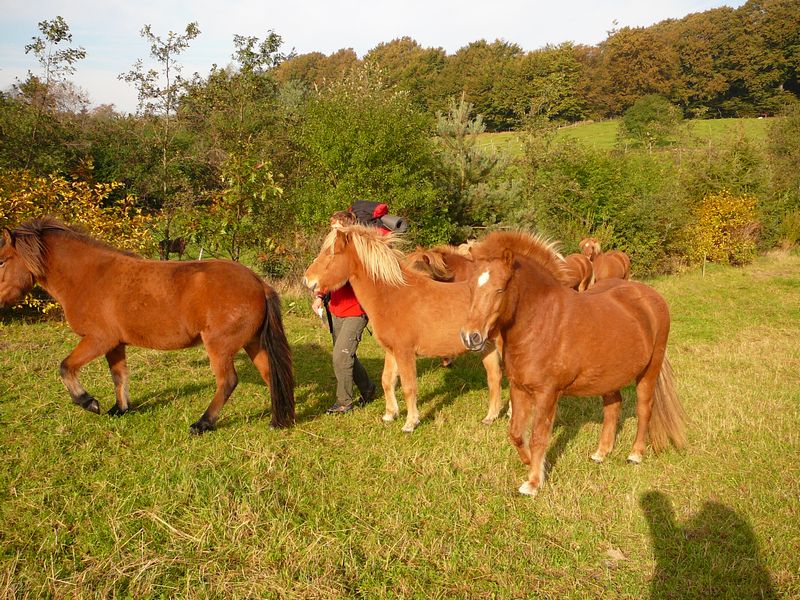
[109, 31]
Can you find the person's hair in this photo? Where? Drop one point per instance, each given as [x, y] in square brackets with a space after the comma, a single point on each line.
[345, 218]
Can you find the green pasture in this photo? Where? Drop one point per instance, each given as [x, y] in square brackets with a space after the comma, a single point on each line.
[603, 134]
[349, 506]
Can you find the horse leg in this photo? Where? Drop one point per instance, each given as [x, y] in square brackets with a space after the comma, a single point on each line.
[119, 375]
[259, 357]
[521, 402]
[544, 410]
[494, 379]
[644, 406]
[612, 404]
[407, 368]
[86, 351]
[225, 374]
[389, 382]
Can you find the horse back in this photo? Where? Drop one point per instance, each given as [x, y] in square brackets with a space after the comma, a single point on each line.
[425, 314]
[612, 264]
[586, 344]
[170, 305]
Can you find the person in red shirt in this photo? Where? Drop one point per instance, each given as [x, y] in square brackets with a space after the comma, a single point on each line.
[348, 321]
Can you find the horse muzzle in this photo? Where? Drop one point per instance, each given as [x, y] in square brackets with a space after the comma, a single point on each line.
[473, 340]
[312, 285]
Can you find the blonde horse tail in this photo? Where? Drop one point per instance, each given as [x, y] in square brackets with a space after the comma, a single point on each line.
[668, 419]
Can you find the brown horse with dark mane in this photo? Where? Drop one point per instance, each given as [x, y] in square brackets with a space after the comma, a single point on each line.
[113, 299]
[411, 314]
[607, 265]
[558, 342]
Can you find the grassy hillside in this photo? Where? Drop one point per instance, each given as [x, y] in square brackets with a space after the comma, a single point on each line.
[344, 506]
[603, 134]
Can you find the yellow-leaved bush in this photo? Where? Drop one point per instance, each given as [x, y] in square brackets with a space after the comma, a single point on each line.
[724, 229]
[24, 196]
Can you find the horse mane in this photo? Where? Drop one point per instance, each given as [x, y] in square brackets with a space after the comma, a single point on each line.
[375, 250]
[535, 247]
[29, 241]
[434, 261]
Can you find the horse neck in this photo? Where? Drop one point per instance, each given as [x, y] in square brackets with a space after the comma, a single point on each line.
[531, 296]
[70, 264]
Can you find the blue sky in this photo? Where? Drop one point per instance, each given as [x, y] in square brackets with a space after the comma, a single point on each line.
[109, 31]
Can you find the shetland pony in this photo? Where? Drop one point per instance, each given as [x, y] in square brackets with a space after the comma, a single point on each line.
[557, 342]
[410, 313]
[113, 299]
[607, 265]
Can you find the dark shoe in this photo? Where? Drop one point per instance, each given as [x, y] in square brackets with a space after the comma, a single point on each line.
[339, 409]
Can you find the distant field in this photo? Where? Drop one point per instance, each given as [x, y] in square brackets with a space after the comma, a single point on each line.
[603, 134]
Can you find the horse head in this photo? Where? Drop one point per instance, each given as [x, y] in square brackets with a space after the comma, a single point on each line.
[16, 276]
[590, 247]
[351, 251]
[331, 269]
[488, 285]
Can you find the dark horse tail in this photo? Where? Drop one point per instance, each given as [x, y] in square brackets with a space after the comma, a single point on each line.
[281, 376]
[668, 419]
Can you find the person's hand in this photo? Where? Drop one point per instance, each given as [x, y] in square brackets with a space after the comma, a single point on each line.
[316, 306]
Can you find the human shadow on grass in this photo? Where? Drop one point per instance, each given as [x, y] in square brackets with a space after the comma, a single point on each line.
[714, 554]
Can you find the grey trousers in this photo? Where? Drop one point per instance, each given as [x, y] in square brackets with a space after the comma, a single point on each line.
[346, 366]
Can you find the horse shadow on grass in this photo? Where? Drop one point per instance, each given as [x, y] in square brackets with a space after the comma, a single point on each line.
[714, 554]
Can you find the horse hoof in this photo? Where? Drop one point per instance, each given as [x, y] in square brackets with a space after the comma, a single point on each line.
[526, 489]
[634, 459]
[488, 420]
[597, 457]
[388, 417]
[86, 402]
[200, 427]
[116, 411]
[410, 427]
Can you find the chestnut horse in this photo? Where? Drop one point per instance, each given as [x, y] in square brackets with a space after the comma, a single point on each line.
[581, 272]
[113, 299]
[607, 265]
[443, 263]
[557, 342]
[410, 313]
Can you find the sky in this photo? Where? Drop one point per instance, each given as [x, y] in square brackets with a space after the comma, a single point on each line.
[109, 31]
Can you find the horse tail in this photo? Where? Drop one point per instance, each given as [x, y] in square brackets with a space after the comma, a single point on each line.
[668, 419]
[281, 376]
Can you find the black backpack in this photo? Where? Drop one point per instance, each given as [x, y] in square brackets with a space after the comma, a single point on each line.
[376, 214]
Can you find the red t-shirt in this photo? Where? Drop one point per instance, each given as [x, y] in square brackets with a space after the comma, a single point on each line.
[343, 301]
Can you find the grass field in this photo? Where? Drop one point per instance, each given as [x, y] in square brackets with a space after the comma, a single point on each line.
[348, 506]
[603, 134]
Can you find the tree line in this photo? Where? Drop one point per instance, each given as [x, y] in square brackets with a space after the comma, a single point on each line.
[249, 161]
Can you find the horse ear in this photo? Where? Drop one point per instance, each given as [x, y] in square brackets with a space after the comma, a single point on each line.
[340, 242]
[7, 239]
[508, 257]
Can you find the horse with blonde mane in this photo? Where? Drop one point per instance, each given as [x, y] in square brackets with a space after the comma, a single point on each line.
[607, 265]
[443, 263]
[557, 342]
[581, 272]
[411, 314]
[113, 299]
